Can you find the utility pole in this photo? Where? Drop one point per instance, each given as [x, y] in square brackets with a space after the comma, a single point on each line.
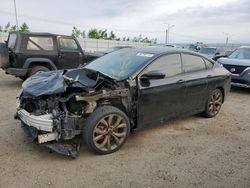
[16, 14]
[167, 32]
[227, 37]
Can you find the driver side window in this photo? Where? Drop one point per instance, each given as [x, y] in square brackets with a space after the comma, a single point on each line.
[68, 44]
[170, 65]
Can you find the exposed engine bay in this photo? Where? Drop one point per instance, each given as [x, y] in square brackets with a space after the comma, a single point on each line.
[53, 106]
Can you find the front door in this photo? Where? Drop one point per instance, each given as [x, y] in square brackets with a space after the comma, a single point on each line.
[70, 55]
[162, 99]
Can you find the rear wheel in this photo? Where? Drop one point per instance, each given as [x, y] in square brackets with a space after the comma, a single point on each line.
[106, 130]
[23, 77]
[36, 69]
[214, 103]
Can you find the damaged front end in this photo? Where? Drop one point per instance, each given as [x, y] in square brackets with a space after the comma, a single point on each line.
[53, 106]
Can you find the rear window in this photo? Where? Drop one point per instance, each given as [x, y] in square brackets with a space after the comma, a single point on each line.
[40, 43]
[208, 50]
[192, 63]
[12, 41]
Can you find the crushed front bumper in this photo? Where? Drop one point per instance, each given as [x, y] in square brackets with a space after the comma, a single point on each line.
[42, 122]
[38, 123]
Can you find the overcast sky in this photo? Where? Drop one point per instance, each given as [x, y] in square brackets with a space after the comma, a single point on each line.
[194, 20]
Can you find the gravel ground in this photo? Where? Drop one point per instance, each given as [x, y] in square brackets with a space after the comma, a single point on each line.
[187, 152]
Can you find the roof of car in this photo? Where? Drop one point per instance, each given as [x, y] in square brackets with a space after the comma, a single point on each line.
[244, 47]
[161, 49]
[38, 33]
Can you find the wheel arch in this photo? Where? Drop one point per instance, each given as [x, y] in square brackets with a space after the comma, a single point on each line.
[31, 62]
[222, 91]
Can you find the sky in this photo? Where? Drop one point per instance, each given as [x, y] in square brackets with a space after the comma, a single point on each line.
[209, 21]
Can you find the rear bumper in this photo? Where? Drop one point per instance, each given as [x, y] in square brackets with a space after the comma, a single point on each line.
[16, 71]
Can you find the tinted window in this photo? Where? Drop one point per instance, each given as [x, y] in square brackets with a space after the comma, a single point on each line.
[208, 50]
[192, 63]
[241, 53]
[40, 43]
[208, 64]
[121, 63]
[12, 41]
[68, 44]
[169, 65]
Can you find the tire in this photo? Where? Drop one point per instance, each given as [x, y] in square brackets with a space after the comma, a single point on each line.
[23, 77]
[4, 56]
[214, 103]
[106, 130]
[36, 69]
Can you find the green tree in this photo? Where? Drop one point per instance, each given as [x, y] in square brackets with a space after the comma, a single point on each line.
[6, 27]
[24, 28]
[93, 33]
[13, 28]
[76, 32]
[112, 36]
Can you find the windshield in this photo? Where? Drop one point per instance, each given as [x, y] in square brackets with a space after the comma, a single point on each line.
[208, 50]
[120, 64]
[12, 41]
[189, 46]
[241, 53]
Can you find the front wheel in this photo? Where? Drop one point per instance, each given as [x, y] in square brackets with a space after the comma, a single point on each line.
[214, 103]
[37, 69]
[106, 130]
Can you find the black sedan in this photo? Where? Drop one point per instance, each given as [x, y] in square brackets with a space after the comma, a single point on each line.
[128, 89]
[238, 63]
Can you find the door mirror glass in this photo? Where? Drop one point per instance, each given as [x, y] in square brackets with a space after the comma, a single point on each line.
[153, 75]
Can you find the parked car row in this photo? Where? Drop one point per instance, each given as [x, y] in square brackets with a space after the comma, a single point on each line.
[238, 63]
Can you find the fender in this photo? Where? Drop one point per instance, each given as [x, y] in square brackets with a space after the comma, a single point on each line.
[38, 60]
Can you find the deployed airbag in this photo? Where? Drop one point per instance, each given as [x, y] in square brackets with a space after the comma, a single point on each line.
[45, 83]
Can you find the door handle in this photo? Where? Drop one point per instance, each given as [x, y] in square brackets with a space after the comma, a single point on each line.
[180, 81]
[209, 76]
[61, 55]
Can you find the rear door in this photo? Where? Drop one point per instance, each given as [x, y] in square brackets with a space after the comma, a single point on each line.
[162, 99]
[70, 54]
[196, 77]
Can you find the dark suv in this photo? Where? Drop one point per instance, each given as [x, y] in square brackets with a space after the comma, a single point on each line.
[24, 54]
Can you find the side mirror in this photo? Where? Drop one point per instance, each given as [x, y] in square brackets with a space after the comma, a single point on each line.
[218, 56]
[152, 75]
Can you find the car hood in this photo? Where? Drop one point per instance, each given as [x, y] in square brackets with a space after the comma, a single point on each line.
[56, 82]
[229, 61]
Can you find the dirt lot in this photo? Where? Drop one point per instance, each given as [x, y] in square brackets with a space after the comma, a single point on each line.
[188, 152]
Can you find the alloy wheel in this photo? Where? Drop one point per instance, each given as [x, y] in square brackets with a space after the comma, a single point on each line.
[110, 132]
[215, 103]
